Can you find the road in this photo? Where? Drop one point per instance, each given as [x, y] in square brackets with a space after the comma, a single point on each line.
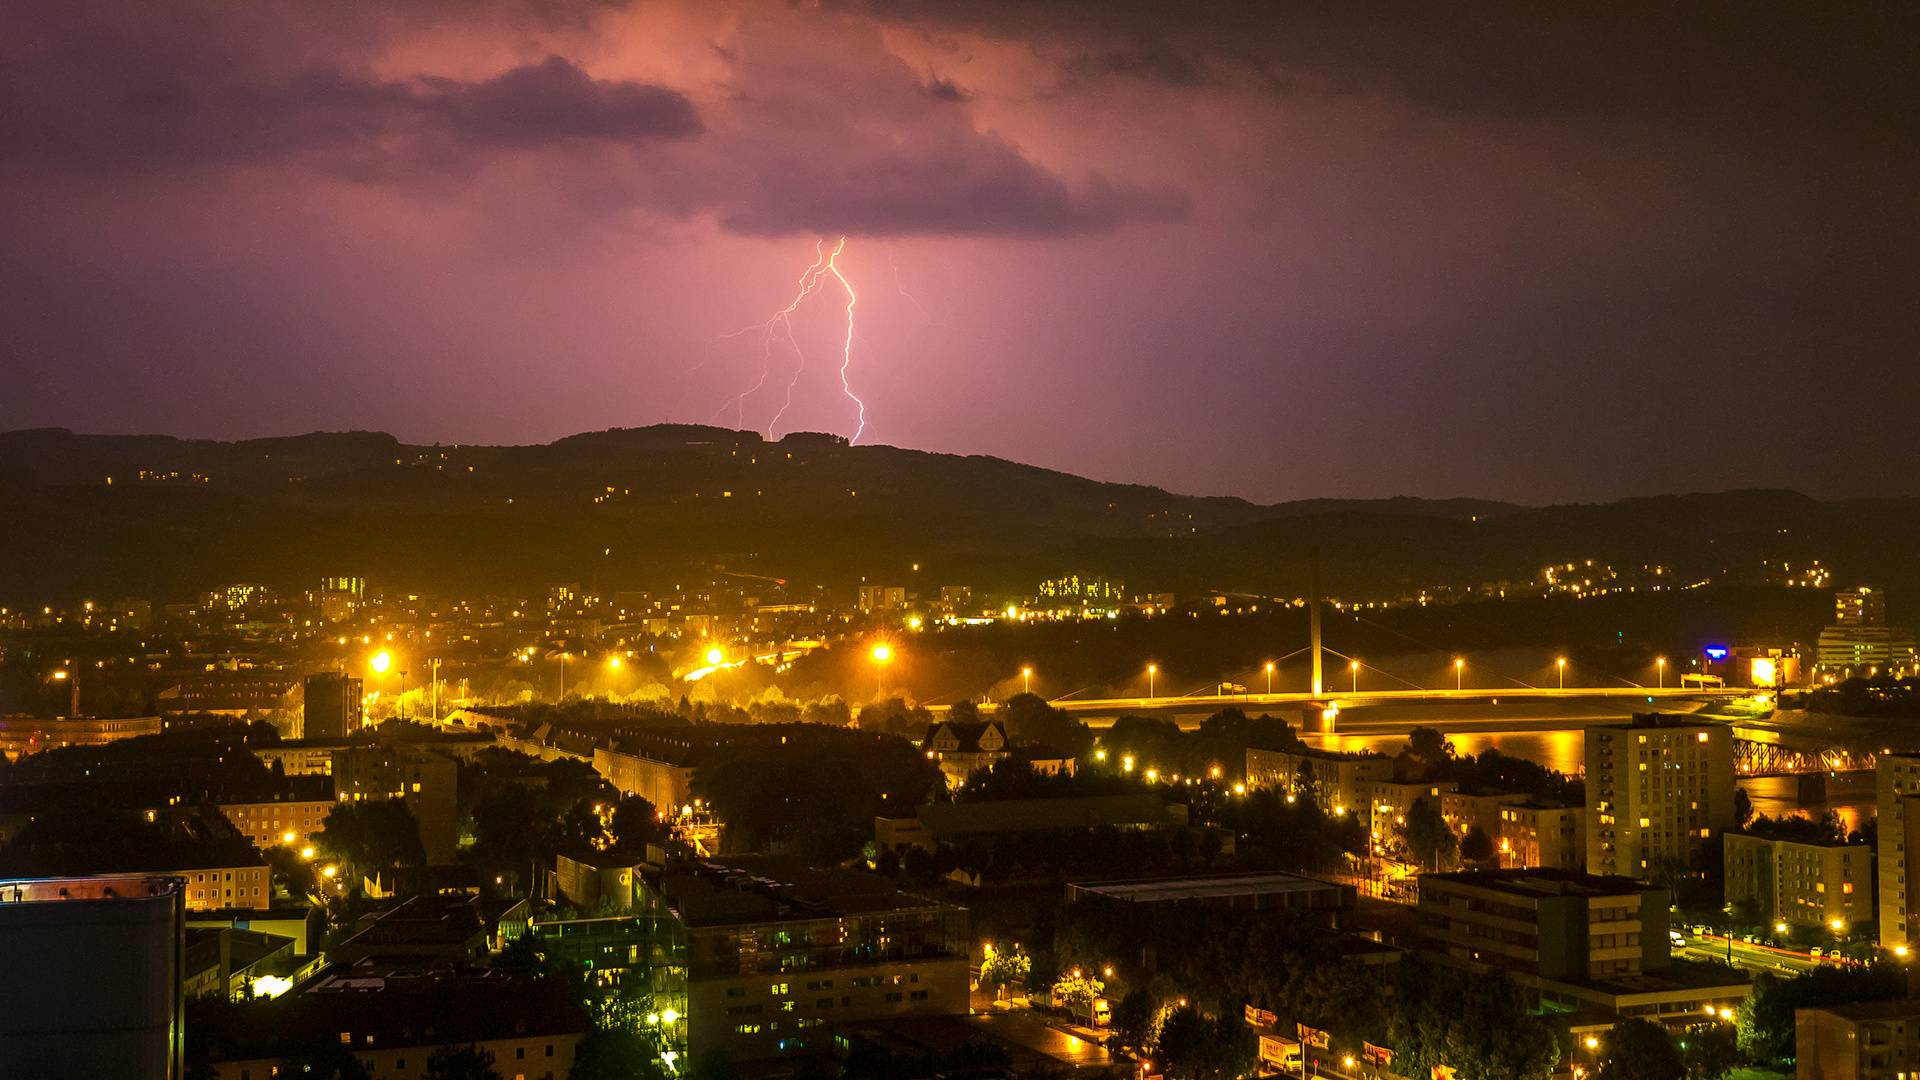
[1749, 957]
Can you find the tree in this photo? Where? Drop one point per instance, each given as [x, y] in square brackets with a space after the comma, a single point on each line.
[1476, 846]
[1075, 988]
[1429, 840]
[1195, 1047]
[615, 1054]
[1711, 1050]
[1005, 967]
[1133, 1016]
[371, 836]
[461, 1063]
[636, 822]
[1639, 1049]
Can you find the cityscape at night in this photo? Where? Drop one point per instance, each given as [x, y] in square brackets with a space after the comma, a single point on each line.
[750, 540]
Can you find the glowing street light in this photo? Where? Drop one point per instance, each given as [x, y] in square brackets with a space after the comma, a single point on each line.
[881, 654]
[1354, 667]
[715, 655]
[1026, 680]
[380, 663]
[1151, 669]
[1459, 674]
[1562, 665]
[1660, 671]
[614, 663]
[1269, 678]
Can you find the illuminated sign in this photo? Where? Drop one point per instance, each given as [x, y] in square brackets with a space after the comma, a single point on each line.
[1716, 652]
[1764, 672]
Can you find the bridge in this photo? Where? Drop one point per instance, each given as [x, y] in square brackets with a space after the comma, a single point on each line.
[1198, 702]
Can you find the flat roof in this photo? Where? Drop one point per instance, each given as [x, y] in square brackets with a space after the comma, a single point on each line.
[773, 888]
[1542, 881]
[1165, 889]
[1873, 1010]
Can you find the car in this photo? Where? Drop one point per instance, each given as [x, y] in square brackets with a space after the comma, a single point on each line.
[1678, 939]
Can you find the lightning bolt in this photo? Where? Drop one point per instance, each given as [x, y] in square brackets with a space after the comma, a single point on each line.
[779, 328]
[846, 356]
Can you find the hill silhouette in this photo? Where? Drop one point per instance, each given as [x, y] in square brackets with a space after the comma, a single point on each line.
[155, 516]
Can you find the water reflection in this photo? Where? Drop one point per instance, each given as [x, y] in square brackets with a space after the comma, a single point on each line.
[1561, 751]
[1849, 794]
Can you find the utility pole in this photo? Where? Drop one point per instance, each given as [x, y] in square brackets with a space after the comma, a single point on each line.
[1313, 614]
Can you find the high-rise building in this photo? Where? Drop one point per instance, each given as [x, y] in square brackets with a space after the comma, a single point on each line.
[1860, 642]
[1897, 803]
[882, 598]
[335, 706]
[1658, 788]
[427, 781]
[95, 969]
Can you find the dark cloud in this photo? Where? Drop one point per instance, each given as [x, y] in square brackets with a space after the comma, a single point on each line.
[118, 94]
[554, 100]
[1763, 62]
[984, 188]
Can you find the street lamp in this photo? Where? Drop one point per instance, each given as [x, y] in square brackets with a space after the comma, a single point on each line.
[380, 662]
[1562, 665]
[714, 656]
[1660, 671]
[1026, 680]
[1459, 674]
[881, 654]
[1150, 671]
[1354, 667]
[1269, 679]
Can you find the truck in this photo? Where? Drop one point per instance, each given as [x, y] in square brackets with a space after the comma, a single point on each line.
[1280, 1055]
[1097, 1012]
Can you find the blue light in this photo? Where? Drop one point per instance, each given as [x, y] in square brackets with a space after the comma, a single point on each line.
[1716, 652]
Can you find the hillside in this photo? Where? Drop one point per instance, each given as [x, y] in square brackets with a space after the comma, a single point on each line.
[631, 508]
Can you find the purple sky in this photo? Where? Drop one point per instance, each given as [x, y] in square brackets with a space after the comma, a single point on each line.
[1264, 249]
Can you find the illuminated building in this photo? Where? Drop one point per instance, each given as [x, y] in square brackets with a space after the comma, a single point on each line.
[960, 747]
[881, 598]
[286, 821]
[1800, 883]
[1344, 783]
[1860, 642]
[29, 734]
[95, 968]
[1658, 788]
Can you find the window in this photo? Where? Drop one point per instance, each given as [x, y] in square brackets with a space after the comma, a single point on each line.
[736, 991]
[520, 1053]
[895, 997]
[1846, 886]
[549, 1049]
[786, 1006]
[777, 988]
[920, 995]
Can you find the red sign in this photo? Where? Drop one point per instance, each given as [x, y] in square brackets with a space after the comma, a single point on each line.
[1313, 1037]
[1379, 1055]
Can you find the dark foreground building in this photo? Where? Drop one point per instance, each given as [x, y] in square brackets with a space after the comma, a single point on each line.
[91, 977]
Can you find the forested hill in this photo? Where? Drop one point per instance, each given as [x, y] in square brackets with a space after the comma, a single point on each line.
[163, 518]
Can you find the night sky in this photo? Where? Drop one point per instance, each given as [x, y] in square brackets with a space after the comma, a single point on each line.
[1276, 250]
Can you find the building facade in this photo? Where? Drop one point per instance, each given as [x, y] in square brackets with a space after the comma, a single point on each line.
[1877, 1040]
[1342, 783]
[278, 822]
[1897, 804]
[1803, 884]
[427, 781]
[334, 706]
[1657, 789]
[97, 968]
[1860, 641]
[30, 735]
[960, 747]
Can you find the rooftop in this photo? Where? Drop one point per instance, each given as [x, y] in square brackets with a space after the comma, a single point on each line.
[1032, 815]
[1874, 1010]
[772, 888]
[1542, 881]
[1197, 888]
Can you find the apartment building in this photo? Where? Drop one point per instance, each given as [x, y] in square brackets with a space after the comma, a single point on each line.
[1658, 788]
[1803, 884]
